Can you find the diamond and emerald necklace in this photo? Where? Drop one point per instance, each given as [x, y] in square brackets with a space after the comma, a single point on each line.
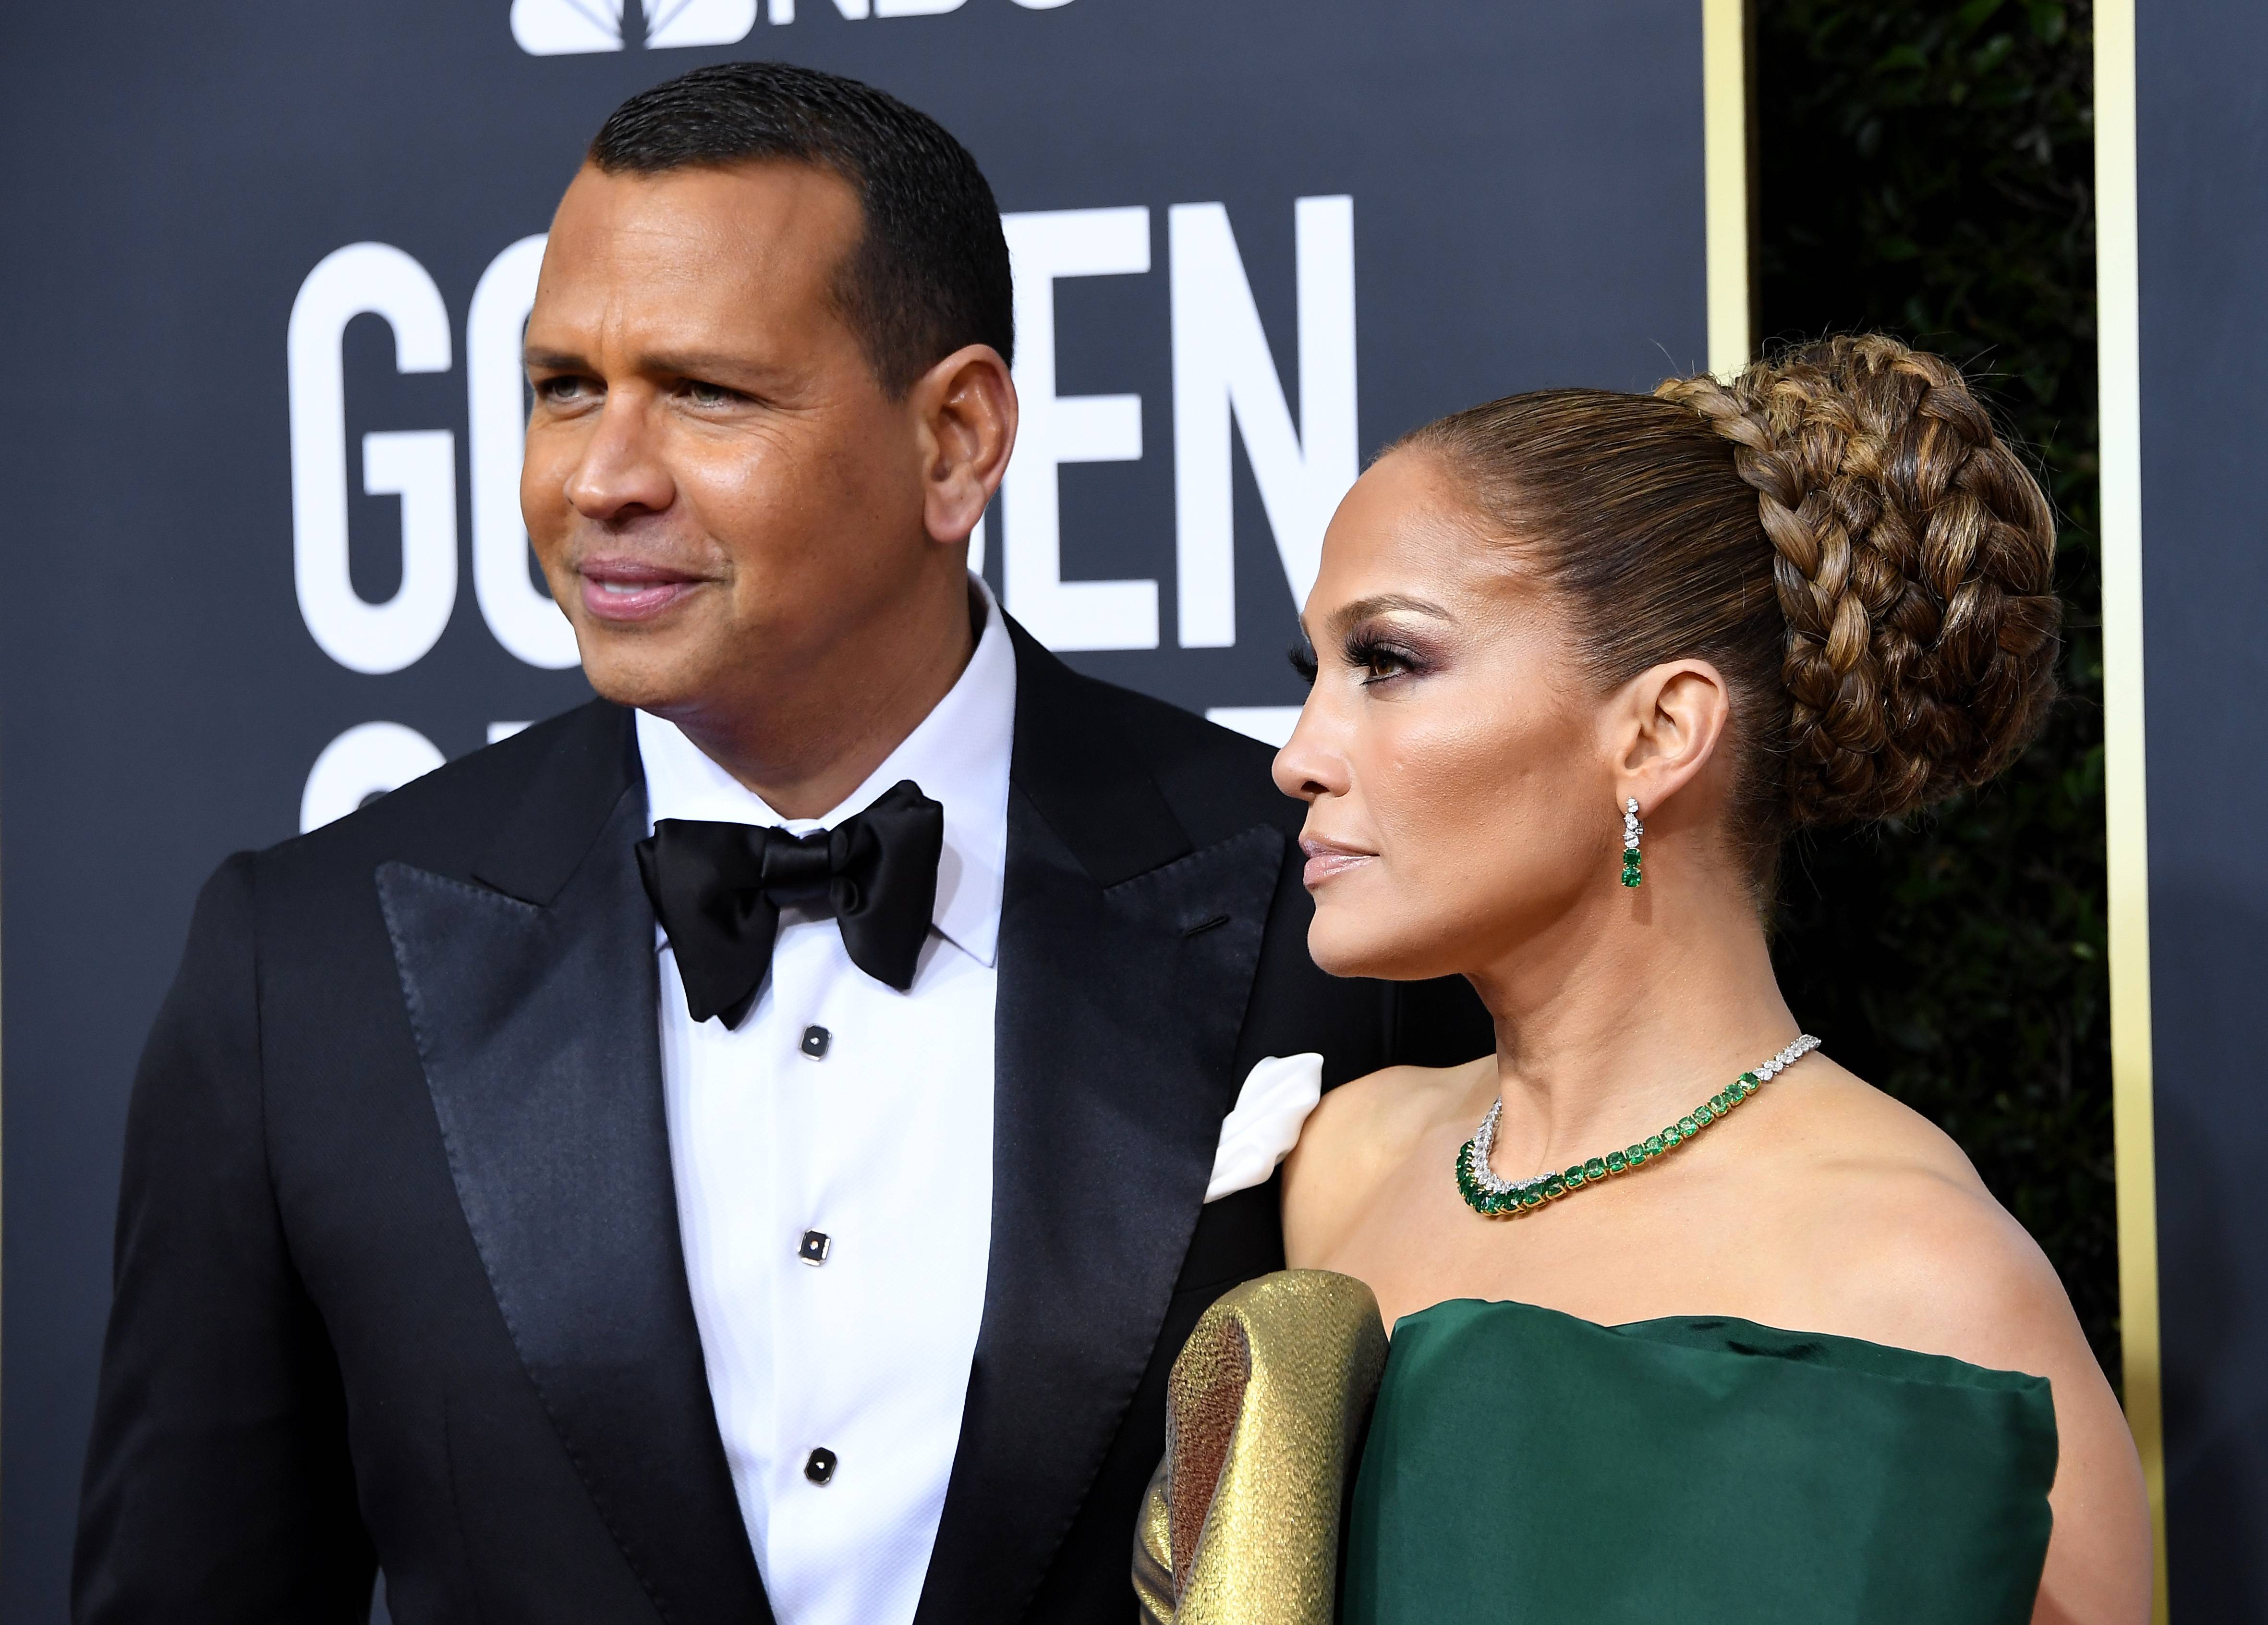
[1509, 1199]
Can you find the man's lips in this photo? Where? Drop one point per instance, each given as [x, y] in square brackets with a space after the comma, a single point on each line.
[632, 589]
[1327, 859]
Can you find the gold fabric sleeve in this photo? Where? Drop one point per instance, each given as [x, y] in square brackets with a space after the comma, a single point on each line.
[1264, 1411]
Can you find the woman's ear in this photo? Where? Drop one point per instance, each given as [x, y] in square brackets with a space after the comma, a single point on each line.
[1670, 723]
[966, 407]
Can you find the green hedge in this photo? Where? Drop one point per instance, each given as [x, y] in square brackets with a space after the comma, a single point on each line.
[1927, 170]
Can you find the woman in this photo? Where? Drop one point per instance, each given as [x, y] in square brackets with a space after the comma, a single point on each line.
[1582, 661]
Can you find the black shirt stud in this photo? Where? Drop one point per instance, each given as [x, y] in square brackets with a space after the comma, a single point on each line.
[819, 1466]
[815, 1040]
[816, 1246]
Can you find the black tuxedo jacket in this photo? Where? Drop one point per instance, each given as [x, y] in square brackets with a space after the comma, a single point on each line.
[398, 1276]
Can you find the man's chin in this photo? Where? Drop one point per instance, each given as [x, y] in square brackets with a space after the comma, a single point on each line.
[642, 677]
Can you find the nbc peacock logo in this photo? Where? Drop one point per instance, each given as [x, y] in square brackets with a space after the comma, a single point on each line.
[565, 27]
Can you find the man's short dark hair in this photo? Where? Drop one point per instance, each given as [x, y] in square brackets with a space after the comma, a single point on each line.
[930, 271]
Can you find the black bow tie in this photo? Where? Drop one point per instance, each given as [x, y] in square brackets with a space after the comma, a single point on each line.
[718, 888]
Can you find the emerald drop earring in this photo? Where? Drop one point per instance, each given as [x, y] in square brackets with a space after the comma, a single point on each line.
[1631, 830]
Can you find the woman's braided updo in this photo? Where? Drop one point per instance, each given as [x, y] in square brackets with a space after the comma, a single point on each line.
[1839, 530]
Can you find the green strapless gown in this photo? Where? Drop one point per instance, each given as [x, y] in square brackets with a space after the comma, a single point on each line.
[1524, 1466]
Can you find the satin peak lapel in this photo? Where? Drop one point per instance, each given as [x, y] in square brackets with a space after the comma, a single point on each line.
[536, 1023]
[1119, 1011]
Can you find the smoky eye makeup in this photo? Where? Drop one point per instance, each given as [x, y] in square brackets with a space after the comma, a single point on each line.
[1379, 654]
[1302, 656]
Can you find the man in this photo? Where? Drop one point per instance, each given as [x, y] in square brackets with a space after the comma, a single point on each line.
[740, 1149]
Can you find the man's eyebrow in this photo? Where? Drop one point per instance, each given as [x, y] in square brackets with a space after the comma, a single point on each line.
[1379, 603]
[702, 364]
[667, 364]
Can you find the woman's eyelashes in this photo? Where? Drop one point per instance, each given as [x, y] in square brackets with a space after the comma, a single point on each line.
[1372, 657]
[1379, 659]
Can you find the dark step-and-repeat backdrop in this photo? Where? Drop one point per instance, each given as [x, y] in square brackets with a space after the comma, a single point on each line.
[266, 266]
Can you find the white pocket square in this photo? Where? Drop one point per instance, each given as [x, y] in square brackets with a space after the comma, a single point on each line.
[1265, 1124]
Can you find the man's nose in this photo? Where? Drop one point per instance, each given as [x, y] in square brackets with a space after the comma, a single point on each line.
[621, 471]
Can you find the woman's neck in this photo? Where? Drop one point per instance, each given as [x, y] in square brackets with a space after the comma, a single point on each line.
[1611, 1024]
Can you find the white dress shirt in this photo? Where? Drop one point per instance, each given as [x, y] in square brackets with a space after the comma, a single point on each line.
[877, 1153]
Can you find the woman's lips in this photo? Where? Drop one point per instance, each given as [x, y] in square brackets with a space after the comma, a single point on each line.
[626, 590]
[1327, 859]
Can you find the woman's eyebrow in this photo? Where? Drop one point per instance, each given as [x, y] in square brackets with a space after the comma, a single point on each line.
[1380, 602]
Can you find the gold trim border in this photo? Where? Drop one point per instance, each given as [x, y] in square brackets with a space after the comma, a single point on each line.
[1725, 167]
[2117, 236]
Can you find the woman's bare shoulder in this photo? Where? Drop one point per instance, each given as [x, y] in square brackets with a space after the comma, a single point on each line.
[1894, 1238]
[1888, 1221]
[1360, 1131]
[1388, 1110]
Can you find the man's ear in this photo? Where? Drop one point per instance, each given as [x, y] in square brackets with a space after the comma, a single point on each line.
[966, 409]
[1670, 721]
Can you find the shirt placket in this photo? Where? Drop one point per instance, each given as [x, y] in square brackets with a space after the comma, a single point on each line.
[812, 1265]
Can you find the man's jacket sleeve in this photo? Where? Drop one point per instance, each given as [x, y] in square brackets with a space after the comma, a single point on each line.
[218, 1486]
